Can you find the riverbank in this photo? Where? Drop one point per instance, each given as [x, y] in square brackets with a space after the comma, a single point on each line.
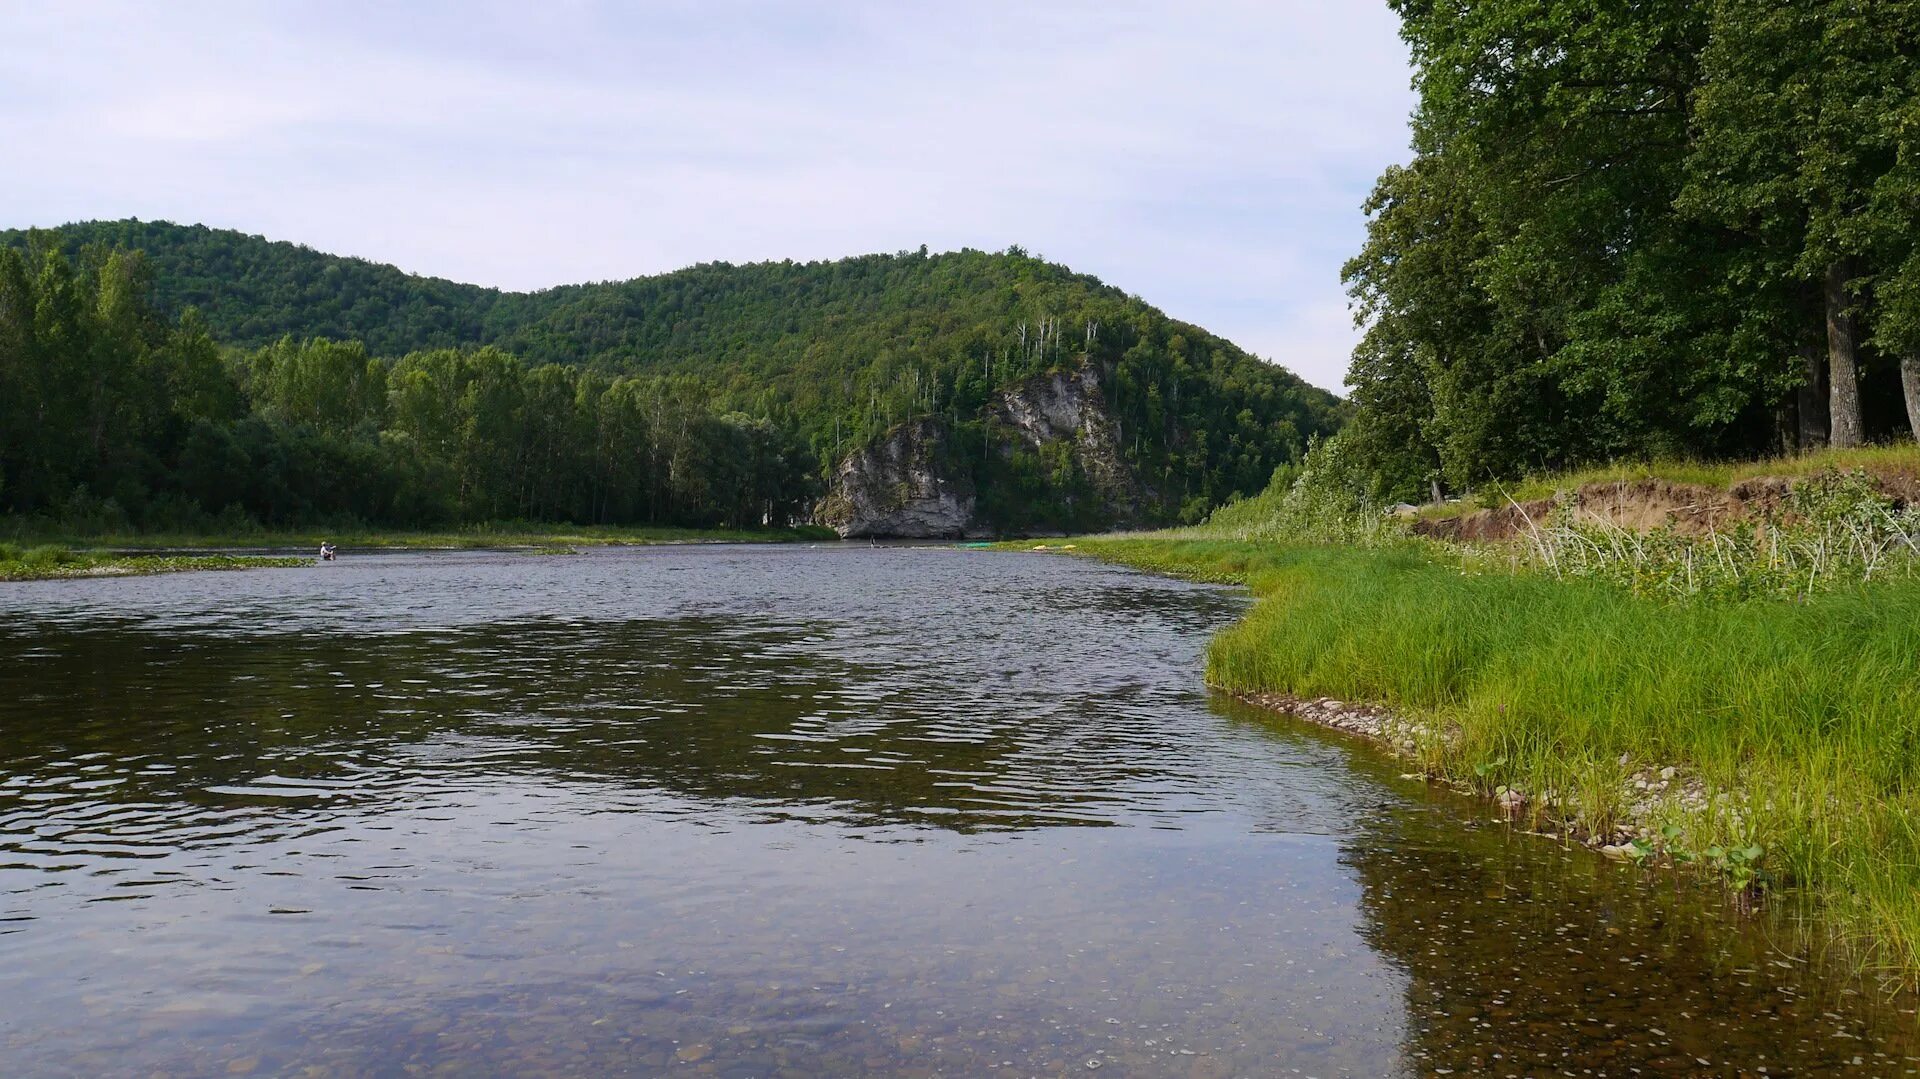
[1896, 461]
[1766, 738]
[511, 534]
[49, 562]
[51, 553]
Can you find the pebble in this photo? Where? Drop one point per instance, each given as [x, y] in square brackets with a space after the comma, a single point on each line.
[1654, 788]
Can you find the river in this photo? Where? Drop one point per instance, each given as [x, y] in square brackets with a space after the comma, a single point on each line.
[758, 811]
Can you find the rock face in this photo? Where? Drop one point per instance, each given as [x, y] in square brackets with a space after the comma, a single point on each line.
[908, 484]
[901, 486]
[1071, 407]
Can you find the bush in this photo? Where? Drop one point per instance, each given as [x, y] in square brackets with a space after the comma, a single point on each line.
[1314, 501]
[48, 556]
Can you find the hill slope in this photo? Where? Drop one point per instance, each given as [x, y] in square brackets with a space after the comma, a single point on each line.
[842, 352]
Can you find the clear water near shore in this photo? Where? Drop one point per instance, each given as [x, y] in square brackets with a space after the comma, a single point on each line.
[755, 811]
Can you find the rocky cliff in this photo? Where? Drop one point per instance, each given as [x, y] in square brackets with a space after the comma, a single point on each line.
[903, 485]
[1070, 408]
[911, 484]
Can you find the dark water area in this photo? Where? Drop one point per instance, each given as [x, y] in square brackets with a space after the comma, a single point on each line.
[726, 811]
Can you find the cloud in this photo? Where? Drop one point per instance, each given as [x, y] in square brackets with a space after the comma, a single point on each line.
[1210, 157]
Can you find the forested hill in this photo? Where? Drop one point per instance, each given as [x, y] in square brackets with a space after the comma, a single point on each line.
[253, 291]
[830, 355]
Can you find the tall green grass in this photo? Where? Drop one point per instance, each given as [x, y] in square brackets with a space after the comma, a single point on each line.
[49, 561]
[42, 558]
[1810, 710]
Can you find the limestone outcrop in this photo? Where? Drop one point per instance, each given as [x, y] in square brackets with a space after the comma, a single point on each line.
[1071, 407]
[910, 483]
[903, 485]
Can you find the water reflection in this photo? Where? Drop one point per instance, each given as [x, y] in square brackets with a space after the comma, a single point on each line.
[746, 812]
[730, 716]
[1525, 958]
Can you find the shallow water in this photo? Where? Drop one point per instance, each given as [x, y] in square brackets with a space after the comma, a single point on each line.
[780, 811]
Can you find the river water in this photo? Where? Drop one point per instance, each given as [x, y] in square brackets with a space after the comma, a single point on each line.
[822, 812]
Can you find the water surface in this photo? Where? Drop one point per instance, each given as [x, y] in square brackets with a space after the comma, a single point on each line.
[784, 811]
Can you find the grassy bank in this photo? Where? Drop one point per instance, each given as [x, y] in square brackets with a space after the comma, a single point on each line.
[48, 562]
[39, 551]
[1803, 717]
[506, 534]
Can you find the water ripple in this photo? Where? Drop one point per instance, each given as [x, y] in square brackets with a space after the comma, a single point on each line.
[862, 812]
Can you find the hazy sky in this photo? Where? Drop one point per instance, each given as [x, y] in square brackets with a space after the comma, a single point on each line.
[1210, 157]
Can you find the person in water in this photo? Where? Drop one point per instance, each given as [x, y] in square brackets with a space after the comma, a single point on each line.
[326, 551]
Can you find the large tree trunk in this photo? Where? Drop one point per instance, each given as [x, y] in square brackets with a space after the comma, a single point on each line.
[1910, 382]
[1812, 403]
[1843, 372]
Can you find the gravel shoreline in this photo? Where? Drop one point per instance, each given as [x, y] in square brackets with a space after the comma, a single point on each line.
[1649, 794]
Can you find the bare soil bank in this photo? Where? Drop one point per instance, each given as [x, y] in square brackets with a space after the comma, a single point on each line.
[1645, 504]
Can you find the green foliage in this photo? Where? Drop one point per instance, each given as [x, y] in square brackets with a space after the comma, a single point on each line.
[48, 562]
[836, 353]
[39, 559]
[1740, 866]
[1612, 238]
[253, 292]
[113, 417]
[710, 404]
[331, 387]
[1317, 501]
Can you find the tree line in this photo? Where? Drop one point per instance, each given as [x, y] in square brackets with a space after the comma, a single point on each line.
[113, 415]
[1662, 228]
[832, 354]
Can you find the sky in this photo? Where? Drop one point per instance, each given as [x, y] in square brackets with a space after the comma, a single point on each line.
[1210, 157]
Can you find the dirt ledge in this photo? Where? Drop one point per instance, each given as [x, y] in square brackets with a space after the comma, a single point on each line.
[1642, 505]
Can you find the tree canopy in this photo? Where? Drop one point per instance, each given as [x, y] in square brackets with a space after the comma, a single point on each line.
[1629, 230]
